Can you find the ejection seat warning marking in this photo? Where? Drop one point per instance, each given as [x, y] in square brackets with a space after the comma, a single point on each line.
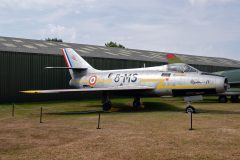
[92, 80]
[125, 78]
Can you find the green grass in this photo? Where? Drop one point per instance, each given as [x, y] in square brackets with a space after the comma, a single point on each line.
[158, 130]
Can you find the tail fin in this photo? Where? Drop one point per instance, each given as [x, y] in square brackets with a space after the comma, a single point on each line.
[173, 59]
[75, 61]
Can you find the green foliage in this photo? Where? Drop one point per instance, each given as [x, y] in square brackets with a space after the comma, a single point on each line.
[54, 39]
[114, 44]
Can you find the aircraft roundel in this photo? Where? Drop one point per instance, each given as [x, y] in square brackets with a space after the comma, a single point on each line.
[92, 80]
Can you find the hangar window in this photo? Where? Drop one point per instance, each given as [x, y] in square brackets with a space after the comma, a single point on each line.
[90, 47]
[63, 44]
[111, 53]
[30, 46]
[81, 50]
[9, 45]
[18, 40]
[40, 45]
[1, 39]
[51, 44]
[87, 49]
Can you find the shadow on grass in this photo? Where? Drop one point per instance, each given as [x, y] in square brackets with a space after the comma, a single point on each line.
[218, 112]
[148, 107]
[125, 108]
[79, 112]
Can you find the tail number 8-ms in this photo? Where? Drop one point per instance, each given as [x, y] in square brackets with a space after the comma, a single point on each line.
[125, 78]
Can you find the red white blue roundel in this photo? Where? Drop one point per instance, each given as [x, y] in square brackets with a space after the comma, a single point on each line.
[92, 80]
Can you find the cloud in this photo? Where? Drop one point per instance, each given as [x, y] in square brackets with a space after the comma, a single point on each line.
[209, 2]
[59, 31]
[43, 4]
[204, 27]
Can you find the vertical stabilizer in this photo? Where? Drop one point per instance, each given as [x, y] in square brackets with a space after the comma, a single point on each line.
[75, 61]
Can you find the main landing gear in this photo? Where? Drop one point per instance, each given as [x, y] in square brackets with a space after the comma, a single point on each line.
[136, 102]
[222, 99]
[234, 98]
[106, 103]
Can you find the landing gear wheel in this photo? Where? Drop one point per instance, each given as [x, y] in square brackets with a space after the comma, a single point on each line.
[234, 99]
[107, 106]
[190, 109]
[136, 102]
[222, 99]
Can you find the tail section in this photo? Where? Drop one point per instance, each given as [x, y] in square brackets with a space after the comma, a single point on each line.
[75, 62]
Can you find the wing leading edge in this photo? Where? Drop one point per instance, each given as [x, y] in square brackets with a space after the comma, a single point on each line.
[127, 88]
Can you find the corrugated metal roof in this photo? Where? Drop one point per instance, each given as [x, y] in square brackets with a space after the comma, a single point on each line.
[47, 47]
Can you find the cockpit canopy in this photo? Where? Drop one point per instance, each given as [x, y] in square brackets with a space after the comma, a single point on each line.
[181, 67]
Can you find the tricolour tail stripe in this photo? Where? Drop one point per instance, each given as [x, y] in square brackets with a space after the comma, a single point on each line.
[66, 58]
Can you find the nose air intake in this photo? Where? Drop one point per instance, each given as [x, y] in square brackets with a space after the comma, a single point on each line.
[226, 85]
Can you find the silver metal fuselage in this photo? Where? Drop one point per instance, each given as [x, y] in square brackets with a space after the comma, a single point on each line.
[165, 82]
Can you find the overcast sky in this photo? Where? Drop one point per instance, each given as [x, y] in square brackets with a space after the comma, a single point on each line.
[199, 27]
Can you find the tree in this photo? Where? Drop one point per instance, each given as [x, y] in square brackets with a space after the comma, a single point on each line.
[114, 44]
[54, 39]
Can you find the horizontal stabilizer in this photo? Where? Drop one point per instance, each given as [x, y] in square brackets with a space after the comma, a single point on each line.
[74, 68]
[124, 88]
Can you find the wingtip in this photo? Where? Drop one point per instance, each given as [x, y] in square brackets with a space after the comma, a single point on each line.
[29, 92]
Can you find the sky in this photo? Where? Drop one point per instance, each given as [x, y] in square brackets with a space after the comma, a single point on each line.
[197, 27]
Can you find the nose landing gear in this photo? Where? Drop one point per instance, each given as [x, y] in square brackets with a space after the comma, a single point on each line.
[190, 108]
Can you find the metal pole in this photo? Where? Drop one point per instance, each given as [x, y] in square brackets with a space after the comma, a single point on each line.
[191, 121]
[98, 120]
[13, 109]
[41, 116]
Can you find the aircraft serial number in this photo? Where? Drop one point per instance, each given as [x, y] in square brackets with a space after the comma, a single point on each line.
[125, 78]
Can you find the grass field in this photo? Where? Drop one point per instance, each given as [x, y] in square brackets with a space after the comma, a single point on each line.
[160, 130]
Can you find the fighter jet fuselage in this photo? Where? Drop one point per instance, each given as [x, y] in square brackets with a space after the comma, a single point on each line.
[164, 82]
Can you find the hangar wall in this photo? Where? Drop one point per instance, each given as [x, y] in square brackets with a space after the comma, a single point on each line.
[25, 71]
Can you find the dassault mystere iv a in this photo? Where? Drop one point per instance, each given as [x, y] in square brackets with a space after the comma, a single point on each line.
[176, 79]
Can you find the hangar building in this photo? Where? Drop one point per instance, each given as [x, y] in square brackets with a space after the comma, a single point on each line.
[22, 63]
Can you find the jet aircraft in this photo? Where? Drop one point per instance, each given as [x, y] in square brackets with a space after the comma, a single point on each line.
[177, 79]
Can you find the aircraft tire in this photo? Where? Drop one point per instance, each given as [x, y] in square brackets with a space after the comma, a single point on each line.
[234, 98]
[136, 104]
[107, 106]
[190, 109]
[222, 99]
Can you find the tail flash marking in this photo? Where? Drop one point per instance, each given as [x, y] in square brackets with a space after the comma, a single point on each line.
[66, 58]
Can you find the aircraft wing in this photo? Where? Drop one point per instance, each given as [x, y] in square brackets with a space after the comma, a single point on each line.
[235, 84]
[125, 88]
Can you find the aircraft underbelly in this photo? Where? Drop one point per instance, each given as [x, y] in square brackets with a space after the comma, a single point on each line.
[191, 92]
